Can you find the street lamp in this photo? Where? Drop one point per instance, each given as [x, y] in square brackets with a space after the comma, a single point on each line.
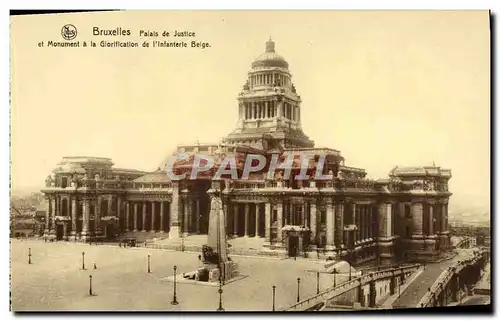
[298, 289]
[317, 282]
[220, 309]
[274, 296]
[83, 260]
[335, 272]
[29, 255]
[149, 263]
[90, 284]
[174, 301]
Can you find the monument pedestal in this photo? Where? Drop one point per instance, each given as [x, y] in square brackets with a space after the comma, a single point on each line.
[174, 233]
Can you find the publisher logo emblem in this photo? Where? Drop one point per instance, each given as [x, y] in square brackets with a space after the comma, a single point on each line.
[68, 32]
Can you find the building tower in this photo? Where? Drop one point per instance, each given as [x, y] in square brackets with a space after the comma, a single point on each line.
[268, 105]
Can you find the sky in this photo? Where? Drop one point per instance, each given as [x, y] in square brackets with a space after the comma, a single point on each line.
[391, 88]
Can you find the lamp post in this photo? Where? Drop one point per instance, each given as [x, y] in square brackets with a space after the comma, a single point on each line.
[274, 296]
[174, 300]
[90, 285]
[317, 282]
[335, 272]
[149, 263]
[29, 255]
[220, 309]
[298, 289]
[83, 260]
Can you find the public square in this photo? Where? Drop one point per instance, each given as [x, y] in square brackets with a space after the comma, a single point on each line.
[55, 280]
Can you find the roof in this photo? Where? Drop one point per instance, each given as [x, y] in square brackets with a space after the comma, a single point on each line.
[270, 58]
[157, 176]
[420, 171]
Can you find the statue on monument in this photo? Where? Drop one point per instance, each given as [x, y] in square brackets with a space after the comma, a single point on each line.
[48, 181]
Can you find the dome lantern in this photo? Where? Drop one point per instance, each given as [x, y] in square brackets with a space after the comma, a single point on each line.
[270, 45]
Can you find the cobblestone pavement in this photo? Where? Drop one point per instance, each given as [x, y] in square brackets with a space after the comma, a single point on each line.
[416, 290]
[55, 280]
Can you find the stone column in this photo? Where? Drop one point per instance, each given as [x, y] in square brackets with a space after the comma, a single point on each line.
[417, 212]
[330, 224]
[135, 216]
[268, 221]
[279, 208]
[355, 218]
[97, 213]
[144, 216]
[431, 219]
[68, 208]
[127, 216]
[366, 221]
[47, 216]
[198, 214]
[110, 206]
[153, 213]
[313, 222]
[361, 219]
[340, 229]
[257, 219]
[383, 218]
[85, 225]
[186, 216]
[247, 214]
[162, 217]
[370, 222]
[174, 212]
[73, 217]
[235, 219]
[53, 216]
[119, 209]
[304, 216]
[444, 221]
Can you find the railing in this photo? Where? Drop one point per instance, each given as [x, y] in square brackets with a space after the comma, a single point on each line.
[112, 184]
[348, 286]
[249, 185]
[445, 277]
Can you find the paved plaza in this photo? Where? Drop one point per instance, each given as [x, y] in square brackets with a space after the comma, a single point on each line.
[55, 280]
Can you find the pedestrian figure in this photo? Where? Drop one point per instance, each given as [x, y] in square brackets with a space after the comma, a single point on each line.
[95, 266]
[199, 257]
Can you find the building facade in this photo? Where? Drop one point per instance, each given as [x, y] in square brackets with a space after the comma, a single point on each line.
[403, 216]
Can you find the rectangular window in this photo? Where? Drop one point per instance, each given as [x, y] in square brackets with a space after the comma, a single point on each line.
[408, 211]
[323, 217]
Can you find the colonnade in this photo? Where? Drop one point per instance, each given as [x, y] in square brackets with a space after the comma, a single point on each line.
[268, 109]
[267, 219]
[81, 215]
[147, 216]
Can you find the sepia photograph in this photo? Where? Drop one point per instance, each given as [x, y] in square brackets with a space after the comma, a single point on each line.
[250, 161]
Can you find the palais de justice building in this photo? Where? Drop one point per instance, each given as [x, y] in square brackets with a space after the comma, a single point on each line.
[404, 216]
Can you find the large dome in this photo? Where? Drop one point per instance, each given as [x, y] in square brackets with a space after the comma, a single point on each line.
[269, 58]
